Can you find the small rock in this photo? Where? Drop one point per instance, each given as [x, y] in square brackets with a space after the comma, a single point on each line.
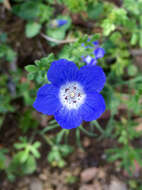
[98, 186]
[86, 142]
[36, 184]
[43, 177]
[24, 182]
[87, 187]
[117, 185]
[104, 156]
[81, 153]
[138, 128]
[88, 174]
[101, 175]
[24, 188]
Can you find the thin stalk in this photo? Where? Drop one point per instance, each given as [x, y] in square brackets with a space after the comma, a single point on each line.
[48, 141]
[87, 132]
[98, 126]
[60, 136]
[78, 138]
[48, 128]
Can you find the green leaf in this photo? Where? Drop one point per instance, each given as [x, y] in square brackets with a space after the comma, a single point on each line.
[98, 7]
[65, 149]
[57, 34]
[35, 152]
[30, 165]
[30, 76]
[37, 144]
[31, 68]
[134, 39]
[28, 10]
[108, 27]
[132, 70]
[140, 39]
[3, 37]
[21, 168]
[32, 29]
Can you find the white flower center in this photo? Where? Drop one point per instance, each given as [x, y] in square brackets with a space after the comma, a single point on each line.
[72, 95]
[88, 59]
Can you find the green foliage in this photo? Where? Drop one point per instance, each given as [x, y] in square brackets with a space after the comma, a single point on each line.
[3, 158]
[57, 153]
[27, 122]
[125, 133]
[32, 29]
[24, 161]
[39, 70]
[31, 10]
[74, 6]
[6, 52]
[5, 97]
[58, 32]
[98, 7]
[75, 51]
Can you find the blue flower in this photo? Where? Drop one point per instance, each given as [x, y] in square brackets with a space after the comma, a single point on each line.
[58, 23]
[98, 53]
[73, 95]
[89, 60]
[61, 22]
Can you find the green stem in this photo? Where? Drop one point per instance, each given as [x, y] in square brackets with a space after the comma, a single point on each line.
[47, 139]
[78, 138]
[60, 136]
[87, 132]
[66, 136]
[98, 126]
[48, 128]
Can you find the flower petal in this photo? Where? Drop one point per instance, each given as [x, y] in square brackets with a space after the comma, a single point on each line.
[68, 119]
[94, 78]
[93, 107]
[99, 52]
[90, 60]
[47, 100]
[62, 71]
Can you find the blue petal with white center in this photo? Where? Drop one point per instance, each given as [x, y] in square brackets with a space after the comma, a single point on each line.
[94, 78]
[47, 100]
[68, 119]
[93, 107]
[62, 71]
[73, 95]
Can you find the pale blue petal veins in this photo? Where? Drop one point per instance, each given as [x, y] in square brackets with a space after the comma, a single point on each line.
[47, 100]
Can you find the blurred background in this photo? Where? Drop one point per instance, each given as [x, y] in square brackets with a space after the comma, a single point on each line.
[35, 153]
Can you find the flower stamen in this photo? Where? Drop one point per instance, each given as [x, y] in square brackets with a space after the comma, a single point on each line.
[72, 95]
